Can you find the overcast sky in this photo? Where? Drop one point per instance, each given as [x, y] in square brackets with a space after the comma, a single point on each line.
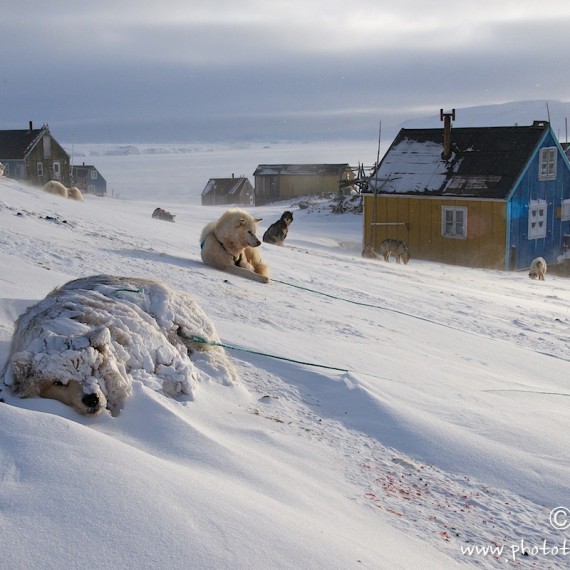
[197, 70]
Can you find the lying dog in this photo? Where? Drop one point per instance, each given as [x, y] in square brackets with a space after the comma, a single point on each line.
[277, 232]
[230, 244]
[537, 269]
[86, 342]
[395, 248]
[161, 214]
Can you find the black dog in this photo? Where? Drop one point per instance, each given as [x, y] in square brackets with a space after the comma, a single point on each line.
[277, 232]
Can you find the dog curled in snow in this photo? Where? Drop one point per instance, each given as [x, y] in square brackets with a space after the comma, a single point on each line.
[537, 269]
[395, 248]
[55, 187]
[89, 340]
[230, 243]
[277, 232]
[161, 214]
[74, 193]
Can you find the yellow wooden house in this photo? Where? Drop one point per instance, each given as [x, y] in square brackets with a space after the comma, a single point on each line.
[493, 197]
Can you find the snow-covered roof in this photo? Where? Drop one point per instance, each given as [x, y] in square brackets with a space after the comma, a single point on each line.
[485, 161]
[226, 186]
[299, 169]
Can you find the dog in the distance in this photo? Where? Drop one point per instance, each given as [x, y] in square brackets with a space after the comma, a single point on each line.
[161, 214]
[537, 269]
[277, 232]
[395, 248]
[230, 244]
[369, 252]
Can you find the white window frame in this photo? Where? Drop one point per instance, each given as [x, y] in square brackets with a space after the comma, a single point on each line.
[454, 228]
[93, 174]
[40, 169]
[547, 164]
[565, 210]
[537, 219]
[56, 170]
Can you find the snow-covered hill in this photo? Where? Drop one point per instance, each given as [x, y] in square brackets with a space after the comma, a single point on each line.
[386, 416]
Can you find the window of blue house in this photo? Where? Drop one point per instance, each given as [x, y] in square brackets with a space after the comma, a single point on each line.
[547, 166]
[454, 221]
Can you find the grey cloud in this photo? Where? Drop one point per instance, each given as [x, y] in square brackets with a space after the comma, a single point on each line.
[261, 76]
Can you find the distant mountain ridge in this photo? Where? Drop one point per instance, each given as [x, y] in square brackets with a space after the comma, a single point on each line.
[502, 115]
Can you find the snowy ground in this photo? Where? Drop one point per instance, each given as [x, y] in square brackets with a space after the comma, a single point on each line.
[386, 416]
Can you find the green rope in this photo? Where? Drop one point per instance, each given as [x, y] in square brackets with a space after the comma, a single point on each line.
[398, 312]
[201, 340]
[362, 304]
[531, 392]
[128, 290]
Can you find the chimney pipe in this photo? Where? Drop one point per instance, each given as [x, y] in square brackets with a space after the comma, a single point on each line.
[446, 118]
[31, 128]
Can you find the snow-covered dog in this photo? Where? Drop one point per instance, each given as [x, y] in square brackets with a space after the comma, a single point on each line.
[56, 187]
[537, 269]
[74, 193]
[230, 244]
[86, 342]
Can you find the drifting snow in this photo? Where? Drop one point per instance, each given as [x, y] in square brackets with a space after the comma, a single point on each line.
[386, 416]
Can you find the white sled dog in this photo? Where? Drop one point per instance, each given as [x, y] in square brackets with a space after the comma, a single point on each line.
[537, 269]
[230, 244]
[87, 341]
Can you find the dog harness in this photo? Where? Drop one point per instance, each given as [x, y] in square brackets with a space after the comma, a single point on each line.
[237, 260]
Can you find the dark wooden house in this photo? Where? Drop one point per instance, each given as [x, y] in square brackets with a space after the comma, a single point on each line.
[222, 191]
[274, 182]
[493, 197]
[33, 155]
[88, 179]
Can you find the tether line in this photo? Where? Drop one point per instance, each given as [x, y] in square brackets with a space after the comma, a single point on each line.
[381, 307]
[398, 312]
[201, 340]
[531, 392]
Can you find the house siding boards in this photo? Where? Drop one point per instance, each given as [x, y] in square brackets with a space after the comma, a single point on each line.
[530, 190]
[89, 180]
[417, 220]
[226, 191]
[274, 182]
[33, 155]
[493, 173]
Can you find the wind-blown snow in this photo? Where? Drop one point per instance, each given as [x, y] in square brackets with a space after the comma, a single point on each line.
[386, 416]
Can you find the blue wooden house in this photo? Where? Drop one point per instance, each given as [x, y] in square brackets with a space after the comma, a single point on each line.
[494, 197]
[88, 179]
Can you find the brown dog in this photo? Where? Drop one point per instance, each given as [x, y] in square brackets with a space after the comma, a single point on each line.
[395, 248]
